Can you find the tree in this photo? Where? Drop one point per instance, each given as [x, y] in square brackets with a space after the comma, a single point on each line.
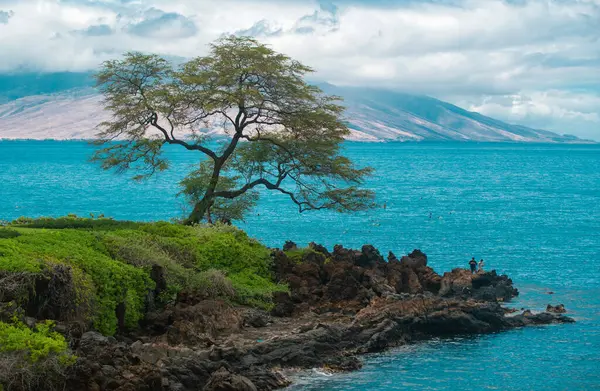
[276, 131]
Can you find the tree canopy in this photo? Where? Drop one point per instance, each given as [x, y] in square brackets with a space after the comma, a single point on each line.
[248, 113]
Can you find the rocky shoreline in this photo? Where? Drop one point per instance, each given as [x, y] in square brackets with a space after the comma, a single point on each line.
[341, 304]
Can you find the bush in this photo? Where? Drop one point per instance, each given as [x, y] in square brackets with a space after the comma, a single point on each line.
[6, 233]
[254, 290]
[16, 287]
[109, 281]
[111, 262]
[297, 255]
[72, 221]
[184, 251]
[13, 259]
[141, 250]
[213, 284]
[35, 344]
[233, 251]
[32, 359]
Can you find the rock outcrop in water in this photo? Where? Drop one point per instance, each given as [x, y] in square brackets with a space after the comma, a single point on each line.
[557, 309]
[341, 304]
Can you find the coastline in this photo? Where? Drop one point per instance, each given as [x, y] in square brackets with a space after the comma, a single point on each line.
[365, 140]
[165, 307]
[326, 323]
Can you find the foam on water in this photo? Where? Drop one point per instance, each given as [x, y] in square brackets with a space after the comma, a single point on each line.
[532, 211]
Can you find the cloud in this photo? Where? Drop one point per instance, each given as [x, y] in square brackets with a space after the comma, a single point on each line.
[322, 21]
[262, 28]
[5, 16]
[163, 25]
[559, 111]
[97, 30]
[479, 53]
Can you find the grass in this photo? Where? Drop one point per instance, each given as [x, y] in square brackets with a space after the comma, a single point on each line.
[110, 262]
[6, 233]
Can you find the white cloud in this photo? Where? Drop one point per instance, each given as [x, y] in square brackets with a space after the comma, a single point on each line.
[474, 52]
[559, 111]
[157, 24]
[5, 16]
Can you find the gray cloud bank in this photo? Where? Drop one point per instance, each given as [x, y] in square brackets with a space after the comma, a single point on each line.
[535, 62]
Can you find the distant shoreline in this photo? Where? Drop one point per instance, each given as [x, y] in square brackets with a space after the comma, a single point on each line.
[508, 142]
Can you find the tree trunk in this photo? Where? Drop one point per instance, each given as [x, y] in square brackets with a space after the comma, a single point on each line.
[200, 210]
[208, 216]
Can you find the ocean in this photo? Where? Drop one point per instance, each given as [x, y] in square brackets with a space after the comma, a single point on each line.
[531, 211]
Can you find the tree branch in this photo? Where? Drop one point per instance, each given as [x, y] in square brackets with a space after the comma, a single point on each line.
[191, 147]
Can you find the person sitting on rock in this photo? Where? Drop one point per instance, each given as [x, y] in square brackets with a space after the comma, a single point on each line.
[473, 264]
[481, 263]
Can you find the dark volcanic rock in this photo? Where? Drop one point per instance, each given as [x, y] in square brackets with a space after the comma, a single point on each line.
[289, 245]
[529, 318]
[255, 318]
[430, 280]
[223, 380]
[369, 256]
[456, 283]
[319, 248]
[341, 303]
[487, 286]
[416, 259]
[158, 276]
[557, 309]
[350, 278]
[284, 306]
[503, 288]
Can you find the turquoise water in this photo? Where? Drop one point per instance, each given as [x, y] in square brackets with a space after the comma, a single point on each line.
[532, 211]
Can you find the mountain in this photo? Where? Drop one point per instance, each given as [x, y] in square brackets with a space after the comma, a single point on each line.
[21, 85]
[72, 115]
[377, 114]
[41, 108]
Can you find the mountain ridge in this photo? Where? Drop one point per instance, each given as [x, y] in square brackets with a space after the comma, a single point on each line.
[422, 118]
[74, 109]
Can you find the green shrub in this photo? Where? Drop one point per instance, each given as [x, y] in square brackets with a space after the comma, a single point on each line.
[35, 344]
[300, 255]
[114, 282]
[213, 284]
[141, 250]
[254, 290]
[6, 233]
[233, 251]
[13, 259]
[72, 221]
[32, 360]
[297, 255]
[111, 261]
[165, 229]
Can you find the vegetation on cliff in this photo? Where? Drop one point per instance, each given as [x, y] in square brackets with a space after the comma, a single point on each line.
[106, 275]
[38, 344]
[32, 358]
[101, 271]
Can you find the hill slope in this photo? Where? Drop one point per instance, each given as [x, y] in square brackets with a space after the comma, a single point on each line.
[373, 115]
[387, 115]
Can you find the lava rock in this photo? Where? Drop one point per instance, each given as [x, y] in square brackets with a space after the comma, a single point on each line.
[557, 309]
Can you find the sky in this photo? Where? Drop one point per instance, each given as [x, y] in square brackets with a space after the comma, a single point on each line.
[532, 62]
